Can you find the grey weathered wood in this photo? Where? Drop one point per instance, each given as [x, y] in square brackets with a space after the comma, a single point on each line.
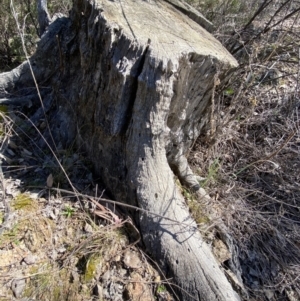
[192, 13]
[134, 82]
[44, 18]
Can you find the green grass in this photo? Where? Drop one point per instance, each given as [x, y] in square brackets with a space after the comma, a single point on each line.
[24, 202]
[212, 173]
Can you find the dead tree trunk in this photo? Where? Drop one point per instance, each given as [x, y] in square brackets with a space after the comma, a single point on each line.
[133, 81]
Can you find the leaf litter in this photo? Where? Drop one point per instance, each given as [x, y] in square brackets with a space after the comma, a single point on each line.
[56, 245]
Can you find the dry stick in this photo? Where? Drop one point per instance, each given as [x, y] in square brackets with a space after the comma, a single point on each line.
[274, 199]
[257, 13]
[268, 157]
[259, 10]
[277, 12]
[265, 30]
[298, 75]
[121, 204]
[88, 240]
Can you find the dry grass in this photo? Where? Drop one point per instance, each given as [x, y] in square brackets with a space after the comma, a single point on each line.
[257, 143]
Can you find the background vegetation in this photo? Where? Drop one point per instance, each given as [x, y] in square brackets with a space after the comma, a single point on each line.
[11, 53]
[256, 142]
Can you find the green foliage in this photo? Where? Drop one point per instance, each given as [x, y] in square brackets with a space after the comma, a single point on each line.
[197, 212]
[1, 218]
[68, 211]
[11, 51]
[187, 194]
[3, 112]
[24, 202]
[161, 289]
[212, 172]
[194, 205]
[3, 109]
[62, 6]
[91, 267]
[12, 236]
[228, 91]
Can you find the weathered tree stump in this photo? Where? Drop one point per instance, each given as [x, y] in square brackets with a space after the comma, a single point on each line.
[133, 81]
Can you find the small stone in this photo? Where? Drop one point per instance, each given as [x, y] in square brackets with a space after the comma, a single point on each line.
[122, 272]
[52, 215]
[106, 276]
[132, 260]
[57, 201]
[88, 228]
[98, 291]
[30, 259]
[84, 288]
[53, 255]
[43, 125]
[17, 287]
[203, 193]
[75, 276]
[269, 294]
[34, 195]
[119, 288]
[137, 290]
[61, 250]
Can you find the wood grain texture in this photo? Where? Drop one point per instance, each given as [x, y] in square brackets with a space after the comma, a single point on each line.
[134, 80]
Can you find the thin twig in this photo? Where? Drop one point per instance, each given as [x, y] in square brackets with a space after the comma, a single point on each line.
[268, 157]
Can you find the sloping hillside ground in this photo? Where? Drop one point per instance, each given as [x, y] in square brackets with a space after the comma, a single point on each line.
[252, 160]
[59, 245]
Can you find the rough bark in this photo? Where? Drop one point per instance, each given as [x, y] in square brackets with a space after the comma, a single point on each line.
[134, 82]
[43, 16]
